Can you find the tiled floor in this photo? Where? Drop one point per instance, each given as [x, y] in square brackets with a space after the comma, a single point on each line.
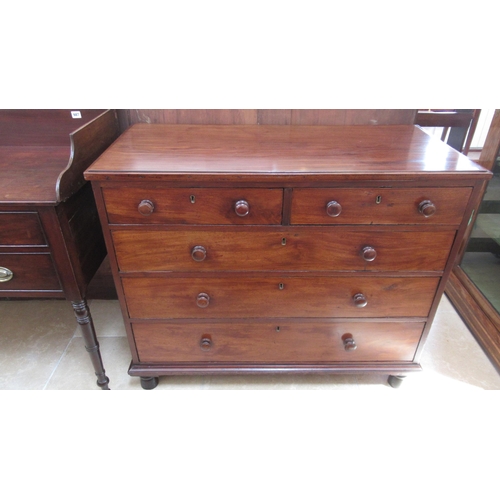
[41, 348]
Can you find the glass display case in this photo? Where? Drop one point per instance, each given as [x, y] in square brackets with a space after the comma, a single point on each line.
[481, 260]
[474, 287]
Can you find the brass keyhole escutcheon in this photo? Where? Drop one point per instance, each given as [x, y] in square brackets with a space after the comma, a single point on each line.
[281, 286]
[278, 328]
[192, 198]
[378, 200]
[283, 241]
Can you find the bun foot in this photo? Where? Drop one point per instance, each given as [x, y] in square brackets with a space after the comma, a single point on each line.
[149, 383]
[395, 380]
[103, 382]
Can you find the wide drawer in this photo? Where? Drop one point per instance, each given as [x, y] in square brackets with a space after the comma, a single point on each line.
[193, 206]
[276, 342]
[379, 206]
[18, 228]
[291, 249]
[279, 296]
[27, 272]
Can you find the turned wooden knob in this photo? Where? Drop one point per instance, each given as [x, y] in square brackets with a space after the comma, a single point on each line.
[369, 254]
[203, 300]
[349, 343]
[333, 209]
[359, 300]
[198, 253]
[146, 207]
[206, 343]
[427, 208]
[242, 208]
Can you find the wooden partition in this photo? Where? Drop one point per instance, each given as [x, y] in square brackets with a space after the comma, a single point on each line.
[128, 117]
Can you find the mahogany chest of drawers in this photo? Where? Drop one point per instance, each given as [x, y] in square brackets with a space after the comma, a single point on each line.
[250, 249]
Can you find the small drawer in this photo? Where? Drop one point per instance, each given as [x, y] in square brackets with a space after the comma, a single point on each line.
[379, 206]
[27, 271]
[276, 342]
[282, 296]
[193, 206]
[291, 249]
[21, 228]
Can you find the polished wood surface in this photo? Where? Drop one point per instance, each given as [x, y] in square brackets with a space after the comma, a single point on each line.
[286, 249]
[271, 152]
[32, 272]
[43, 153]
[282, 296]
[277, 342]
[194, 206]
[21, 228]
[378, 206]
[342, 272]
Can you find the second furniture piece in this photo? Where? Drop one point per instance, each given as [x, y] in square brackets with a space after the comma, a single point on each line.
[51, 242]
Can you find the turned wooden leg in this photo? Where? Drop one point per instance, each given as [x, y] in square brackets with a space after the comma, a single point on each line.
[395, 380]
[84, 319]
[149, 382]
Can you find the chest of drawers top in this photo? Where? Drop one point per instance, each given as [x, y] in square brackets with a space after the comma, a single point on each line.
[280, 155]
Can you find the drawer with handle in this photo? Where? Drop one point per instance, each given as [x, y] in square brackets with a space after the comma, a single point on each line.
[278, 296]
[288, 249]
[27, 271]
[193, 206]
[379, 206]
[269, 342]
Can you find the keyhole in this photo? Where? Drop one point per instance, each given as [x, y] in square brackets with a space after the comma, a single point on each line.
[281, 286]
[278, 328]
[192, 198]
[283, 241]
[378, 199]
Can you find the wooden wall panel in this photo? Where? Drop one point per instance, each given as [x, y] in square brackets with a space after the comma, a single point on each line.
[274, 116]
[268, 116]
[491, 147]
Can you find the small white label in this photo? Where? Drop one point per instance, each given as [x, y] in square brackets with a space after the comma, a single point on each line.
[76, 114]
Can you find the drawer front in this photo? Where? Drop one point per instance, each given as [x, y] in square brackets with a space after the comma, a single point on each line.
[280, 296]
[27, 272]
[379, 206]
[193, 206]
[294, 249]
[21, 229]
[275, 342]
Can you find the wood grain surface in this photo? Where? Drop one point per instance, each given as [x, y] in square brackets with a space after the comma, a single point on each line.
[262, 343]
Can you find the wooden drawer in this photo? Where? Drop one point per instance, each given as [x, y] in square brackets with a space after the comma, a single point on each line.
[193, 206]
[30, 272]
[284, 342]
[279, 296]
[379, 206]
[21, 228]
[289, 249]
